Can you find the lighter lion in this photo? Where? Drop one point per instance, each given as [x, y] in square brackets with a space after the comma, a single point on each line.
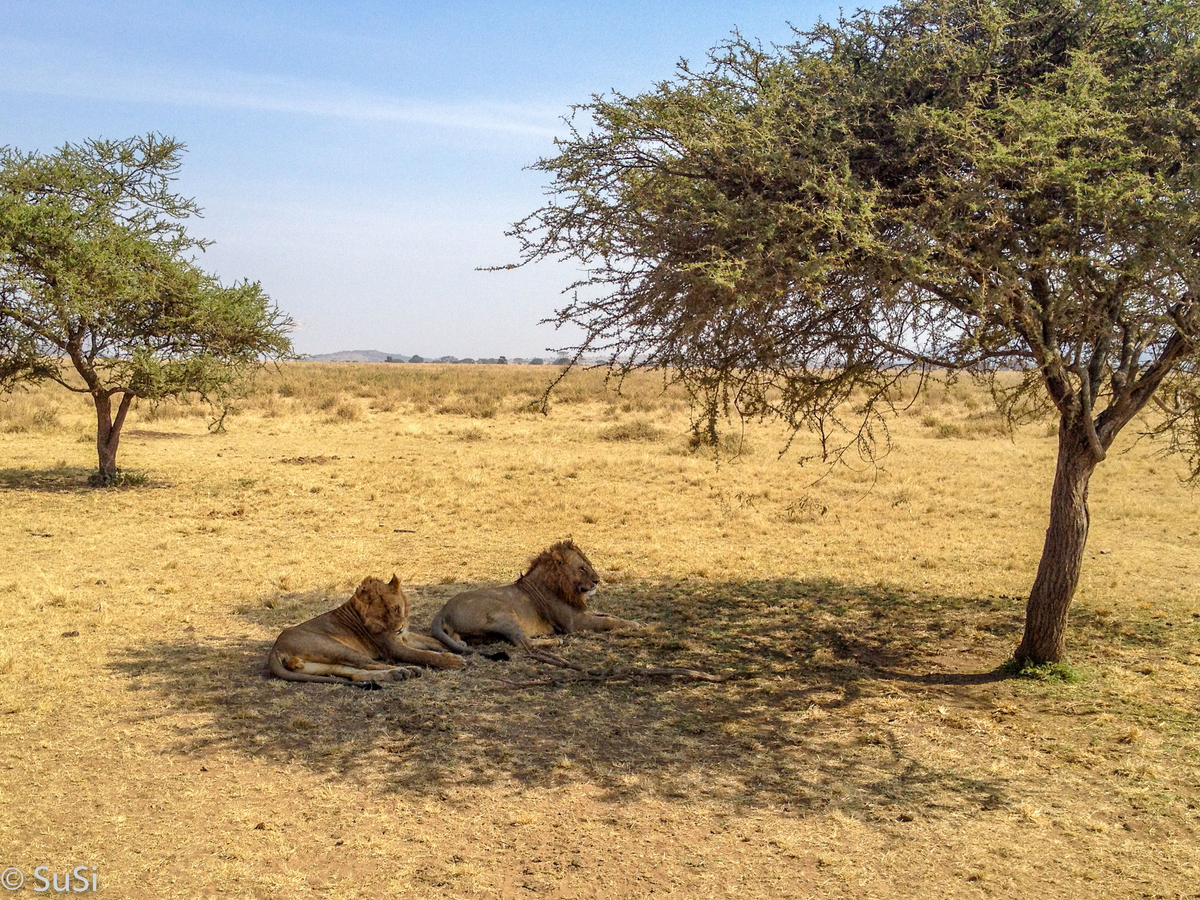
[364, 639]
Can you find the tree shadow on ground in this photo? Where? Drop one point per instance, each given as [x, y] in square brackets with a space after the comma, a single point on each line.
[810, 715]
[71, 480]
[61, 479]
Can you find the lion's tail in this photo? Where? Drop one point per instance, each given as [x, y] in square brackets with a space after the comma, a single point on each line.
[279, 670]
[438, 630]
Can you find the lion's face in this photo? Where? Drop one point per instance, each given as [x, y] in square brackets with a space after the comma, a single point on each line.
[383, 606]
[580, 572]
[565, 571]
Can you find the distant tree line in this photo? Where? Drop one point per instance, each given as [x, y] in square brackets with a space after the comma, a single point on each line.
[498, 361]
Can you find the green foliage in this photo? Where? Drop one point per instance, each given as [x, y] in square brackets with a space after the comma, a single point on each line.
[95, 265]
[983, 184]
[100, 290]
[1055, 672]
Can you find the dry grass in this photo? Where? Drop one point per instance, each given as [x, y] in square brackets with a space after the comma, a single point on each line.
[865, 744]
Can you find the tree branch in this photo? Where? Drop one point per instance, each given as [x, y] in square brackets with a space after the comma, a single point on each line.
[1089, 426]
[33, 326]
[1117, 416]
[119, 421]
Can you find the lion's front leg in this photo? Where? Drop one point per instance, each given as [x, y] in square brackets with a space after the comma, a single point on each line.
[415, 641]
[590, 621]
[396, 650]
[431, 658]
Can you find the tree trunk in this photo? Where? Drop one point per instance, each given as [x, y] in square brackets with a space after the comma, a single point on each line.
[1062, 554]
[108, 433]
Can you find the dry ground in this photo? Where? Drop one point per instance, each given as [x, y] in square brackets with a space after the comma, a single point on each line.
[865, 744]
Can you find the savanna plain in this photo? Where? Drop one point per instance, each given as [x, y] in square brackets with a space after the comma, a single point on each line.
[864, 743]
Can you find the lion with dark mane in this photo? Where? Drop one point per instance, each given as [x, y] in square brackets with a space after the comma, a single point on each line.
[550, 598]
[364, 639]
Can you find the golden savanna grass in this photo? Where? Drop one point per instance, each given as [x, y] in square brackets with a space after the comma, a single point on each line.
[863, 745]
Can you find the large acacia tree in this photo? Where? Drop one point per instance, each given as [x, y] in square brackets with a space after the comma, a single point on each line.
[984, 185]
[100, 290]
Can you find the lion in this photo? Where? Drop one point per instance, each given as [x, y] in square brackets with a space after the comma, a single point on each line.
[550, 598]
[363, 640]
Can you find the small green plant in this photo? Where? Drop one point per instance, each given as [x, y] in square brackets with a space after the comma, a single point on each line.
[1059, 672]
[122, 478]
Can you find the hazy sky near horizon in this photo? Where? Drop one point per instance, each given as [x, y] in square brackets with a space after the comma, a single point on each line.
[360, 159]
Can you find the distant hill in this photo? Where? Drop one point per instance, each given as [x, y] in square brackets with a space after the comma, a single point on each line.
[356, 356]
[377, 356]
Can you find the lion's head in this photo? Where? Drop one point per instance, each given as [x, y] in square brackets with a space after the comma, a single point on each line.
[382, 605]
[563, 571]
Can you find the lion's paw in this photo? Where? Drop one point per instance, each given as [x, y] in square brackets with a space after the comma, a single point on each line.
[403, 673]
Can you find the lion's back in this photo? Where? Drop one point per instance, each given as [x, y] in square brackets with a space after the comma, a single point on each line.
[475, 607]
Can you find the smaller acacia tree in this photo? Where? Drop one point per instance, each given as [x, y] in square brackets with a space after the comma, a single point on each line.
[100, 291]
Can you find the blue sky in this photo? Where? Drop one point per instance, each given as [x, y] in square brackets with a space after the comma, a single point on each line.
[359, 159]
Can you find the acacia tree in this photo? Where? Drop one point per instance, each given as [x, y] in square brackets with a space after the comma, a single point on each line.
[100, 291]
[980, 185]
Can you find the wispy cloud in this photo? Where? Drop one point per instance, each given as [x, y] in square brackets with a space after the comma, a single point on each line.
[29, 69]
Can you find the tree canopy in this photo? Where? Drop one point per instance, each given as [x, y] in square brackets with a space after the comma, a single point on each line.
[981, 185]
[100, 290]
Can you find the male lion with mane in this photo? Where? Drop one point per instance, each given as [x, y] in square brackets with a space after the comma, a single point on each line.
[550, 598]
[362, 640]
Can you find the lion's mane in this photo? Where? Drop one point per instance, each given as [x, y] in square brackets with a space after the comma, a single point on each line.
[548, 576]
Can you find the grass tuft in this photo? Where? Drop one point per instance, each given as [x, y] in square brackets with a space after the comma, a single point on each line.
[637, 430]
[1059, 672]
[123, 478]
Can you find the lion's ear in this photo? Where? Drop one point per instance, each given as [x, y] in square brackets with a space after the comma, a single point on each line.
[395, 582]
